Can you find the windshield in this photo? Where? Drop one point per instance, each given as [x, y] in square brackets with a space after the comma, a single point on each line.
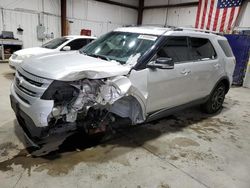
[53, 44]
[120, 46]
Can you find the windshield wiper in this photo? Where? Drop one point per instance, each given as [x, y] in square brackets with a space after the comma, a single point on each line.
[98, 56]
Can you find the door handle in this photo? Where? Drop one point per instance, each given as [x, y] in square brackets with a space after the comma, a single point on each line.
[217, 66]
[185, 72]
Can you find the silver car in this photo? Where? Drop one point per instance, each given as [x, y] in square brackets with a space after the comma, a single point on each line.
[137, 73]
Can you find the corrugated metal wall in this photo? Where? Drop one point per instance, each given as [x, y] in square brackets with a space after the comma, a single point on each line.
[243, 19]
[184, 16]
[170, 16]
[99, 17]
[83, 14]
[52, 24]
[27, 21]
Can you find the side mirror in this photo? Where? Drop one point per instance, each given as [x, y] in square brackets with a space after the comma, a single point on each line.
[162, 63]
[66, 48]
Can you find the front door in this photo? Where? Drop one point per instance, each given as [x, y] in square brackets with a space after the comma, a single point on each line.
[168, 88]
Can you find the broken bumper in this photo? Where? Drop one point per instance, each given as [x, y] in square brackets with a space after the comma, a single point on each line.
[36, 135]
[32, 133]
[31, 116]
[38, 109]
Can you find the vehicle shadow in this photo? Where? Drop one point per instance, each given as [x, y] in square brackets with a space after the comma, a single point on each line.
[122, 136]
[134, 136]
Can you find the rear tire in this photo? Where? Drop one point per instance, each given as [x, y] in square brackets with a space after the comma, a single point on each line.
[216, 99]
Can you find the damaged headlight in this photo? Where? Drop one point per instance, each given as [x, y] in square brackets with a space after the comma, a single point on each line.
[60, 92]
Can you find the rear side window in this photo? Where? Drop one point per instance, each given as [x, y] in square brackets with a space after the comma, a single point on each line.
[175, 48]
[201, 49]
[226, 48]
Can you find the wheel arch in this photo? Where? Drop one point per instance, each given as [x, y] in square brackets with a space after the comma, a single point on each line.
[131, 107]
[225, 81]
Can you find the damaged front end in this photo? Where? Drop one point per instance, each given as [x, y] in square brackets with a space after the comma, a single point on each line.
[91, 105]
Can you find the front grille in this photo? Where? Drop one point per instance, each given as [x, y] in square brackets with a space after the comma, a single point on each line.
[19, 85]
[29, 86]
[38, 84]
[23, 99]
[27, 91]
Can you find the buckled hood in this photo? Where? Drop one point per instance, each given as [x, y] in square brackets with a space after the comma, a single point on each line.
[70, 66]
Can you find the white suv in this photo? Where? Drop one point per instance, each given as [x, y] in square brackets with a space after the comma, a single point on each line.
[66, 43]
[137, 73]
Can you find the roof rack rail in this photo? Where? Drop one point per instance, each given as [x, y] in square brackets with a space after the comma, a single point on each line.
[170, 26]
[200, 30]
[158, 25]
[153, 25]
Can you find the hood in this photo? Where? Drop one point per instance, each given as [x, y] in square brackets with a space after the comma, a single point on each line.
[71, 66]
[33, 51]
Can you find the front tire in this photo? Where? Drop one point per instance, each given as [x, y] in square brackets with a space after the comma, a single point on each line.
[216, 99]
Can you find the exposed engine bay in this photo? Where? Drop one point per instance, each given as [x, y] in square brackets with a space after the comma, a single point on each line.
[92, 105]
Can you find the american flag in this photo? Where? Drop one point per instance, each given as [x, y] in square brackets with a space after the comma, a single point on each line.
[217, 15]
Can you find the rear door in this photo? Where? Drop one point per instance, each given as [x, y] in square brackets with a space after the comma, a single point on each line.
[206, 69]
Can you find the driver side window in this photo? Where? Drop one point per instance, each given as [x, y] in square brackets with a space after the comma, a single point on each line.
[175, 48]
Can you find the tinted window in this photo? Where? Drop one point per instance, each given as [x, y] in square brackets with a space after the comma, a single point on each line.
[175, 48]
[53, 44]
[77, 44]
[201, 48]
[226, 48]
